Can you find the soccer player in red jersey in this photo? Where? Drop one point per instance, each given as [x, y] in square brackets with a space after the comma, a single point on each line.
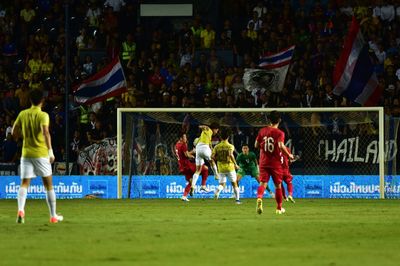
[270, 140]
[287, 178]
[186, 167]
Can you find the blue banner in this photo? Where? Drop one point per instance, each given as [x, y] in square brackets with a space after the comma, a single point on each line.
[155, 186]
[66, 187]
[304, 186]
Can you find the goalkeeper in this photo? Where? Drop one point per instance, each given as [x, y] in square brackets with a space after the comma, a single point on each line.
[247, 161]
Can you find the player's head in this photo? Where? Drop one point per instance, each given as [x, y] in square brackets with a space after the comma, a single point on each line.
[215, 127]
[183, 137]
[36, 96]
[274, 117]
[245, 149]
[225, 133]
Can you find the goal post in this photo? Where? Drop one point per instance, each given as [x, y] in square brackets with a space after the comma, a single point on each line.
[305, 123]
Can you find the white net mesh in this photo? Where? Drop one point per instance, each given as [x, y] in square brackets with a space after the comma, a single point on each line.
[327, 142]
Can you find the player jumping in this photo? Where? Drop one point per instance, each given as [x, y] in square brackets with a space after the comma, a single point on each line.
[248, 165]
[227, 166]
[186, 167]
[203, 151]
[37, 154]
[270, 140]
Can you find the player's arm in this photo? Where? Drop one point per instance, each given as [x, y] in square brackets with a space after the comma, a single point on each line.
[285, 150]
[47, 139]
[204, 127]
[232, 157]
[16, 129]
[189, 154]
[256, 144]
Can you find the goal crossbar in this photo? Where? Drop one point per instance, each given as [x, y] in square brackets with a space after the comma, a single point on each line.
[380, 111]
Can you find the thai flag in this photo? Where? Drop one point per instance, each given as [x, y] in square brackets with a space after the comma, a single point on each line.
[354, 76]
[108, 82]
[277, 60]
[272, 76]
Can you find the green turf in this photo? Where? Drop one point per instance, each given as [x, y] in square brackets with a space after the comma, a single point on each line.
[202, 232]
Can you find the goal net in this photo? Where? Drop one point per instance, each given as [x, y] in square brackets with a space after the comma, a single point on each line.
[342, 143]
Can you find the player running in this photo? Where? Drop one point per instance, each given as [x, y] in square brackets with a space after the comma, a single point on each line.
[203, 151]
[186, 167]
[248, 165]
[287, 178]
[37, 154]
[223, 155]
[270, 140]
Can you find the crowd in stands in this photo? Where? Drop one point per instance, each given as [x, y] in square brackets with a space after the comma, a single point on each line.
[179, 63]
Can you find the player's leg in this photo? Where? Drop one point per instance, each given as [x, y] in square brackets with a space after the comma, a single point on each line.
[233, 179]
[264, 178]
[283, 190]
[277, 178]
[21, 199]
[200, 154]
[51, 199]
[27, 173]
[289, 183]
[214, 168]
[221, 186]
[42, 168]
[204, 176]
[188, 177]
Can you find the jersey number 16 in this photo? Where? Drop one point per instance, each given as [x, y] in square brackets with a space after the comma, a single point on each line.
[269, 144]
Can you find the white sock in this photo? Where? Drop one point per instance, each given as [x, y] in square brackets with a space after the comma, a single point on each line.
[22, 192]
[220, 188]
[51, 202]
[237, 193]
[194, 179]
[214, 168]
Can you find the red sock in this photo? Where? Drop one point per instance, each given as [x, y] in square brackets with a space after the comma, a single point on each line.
[260, 192]
[290, 188]
[204, 175]
[278, 198]
[283, 191]
[187, 189]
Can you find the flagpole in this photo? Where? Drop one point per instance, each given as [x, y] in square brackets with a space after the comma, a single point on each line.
[67, 85]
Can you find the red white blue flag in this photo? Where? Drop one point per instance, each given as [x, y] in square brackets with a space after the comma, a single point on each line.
[272, 74]
[277, 60]
[108, 82]
[354, 76]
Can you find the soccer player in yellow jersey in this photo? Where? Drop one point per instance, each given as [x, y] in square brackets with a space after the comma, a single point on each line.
[37, 154]
[227, 166]
[203, 151]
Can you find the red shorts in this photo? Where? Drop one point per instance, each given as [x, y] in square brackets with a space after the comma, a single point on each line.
[189, 170]
[287, 176]
[266, 173]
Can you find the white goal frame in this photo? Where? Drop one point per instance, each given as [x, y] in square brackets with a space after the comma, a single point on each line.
[381, 128]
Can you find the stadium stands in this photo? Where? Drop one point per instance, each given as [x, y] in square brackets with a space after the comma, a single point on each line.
[183, 61]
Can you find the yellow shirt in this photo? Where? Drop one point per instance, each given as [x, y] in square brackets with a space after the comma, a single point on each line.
[35, 65]
[47, 68]
[31, 121]
[206, 136]
[221, 153]
[28, 15]
[208, 36]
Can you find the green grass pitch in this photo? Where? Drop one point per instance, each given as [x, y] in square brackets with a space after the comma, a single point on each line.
[202, 232]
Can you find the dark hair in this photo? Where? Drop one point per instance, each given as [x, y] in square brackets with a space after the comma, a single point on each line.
[35, 96]
[214, 125]
[245, 145]
[225, 133]
[182, 133]
[274, 117]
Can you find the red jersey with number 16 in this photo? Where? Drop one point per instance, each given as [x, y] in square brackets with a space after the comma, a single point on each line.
[270, 153]
[183, 161]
